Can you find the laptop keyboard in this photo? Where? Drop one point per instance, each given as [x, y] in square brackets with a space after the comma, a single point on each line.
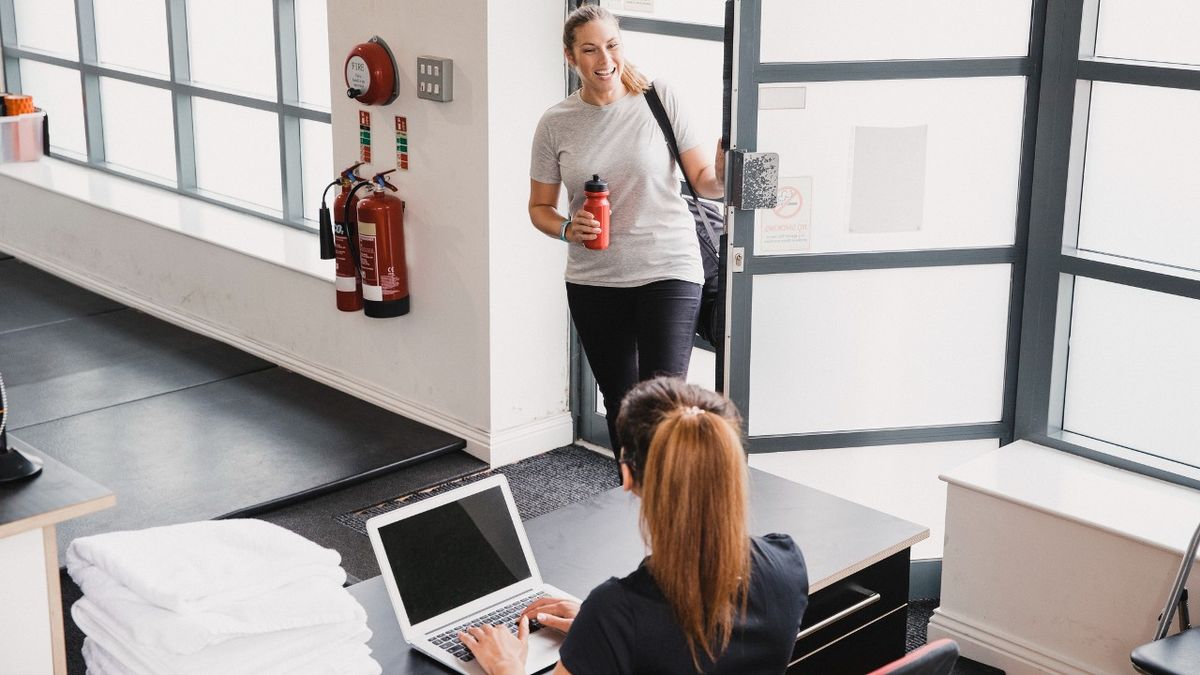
[506, 615]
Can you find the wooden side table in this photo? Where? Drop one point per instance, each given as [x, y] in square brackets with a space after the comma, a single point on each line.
[31, 611]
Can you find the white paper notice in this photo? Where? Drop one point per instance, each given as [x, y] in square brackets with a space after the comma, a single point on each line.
[887, 179]
[640, 6]
[785, 228]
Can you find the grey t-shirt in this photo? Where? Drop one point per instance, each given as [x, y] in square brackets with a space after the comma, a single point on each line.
[652, 235]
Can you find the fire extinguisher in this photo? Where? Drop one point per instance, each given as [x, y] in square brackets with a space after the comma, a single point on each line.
[381, 250]
[338, 240]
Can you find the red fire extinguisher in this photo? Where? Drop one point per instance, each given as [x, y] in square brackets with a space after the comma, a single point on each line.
[345, 230]
[381, 251]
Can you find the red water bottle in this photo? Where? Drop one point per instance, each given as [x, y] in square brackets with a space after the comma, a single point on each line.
[596, 204]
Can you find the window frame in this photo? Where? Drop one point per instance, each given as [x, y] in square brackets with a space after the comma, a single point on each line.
[1054, 262]
[286, 105]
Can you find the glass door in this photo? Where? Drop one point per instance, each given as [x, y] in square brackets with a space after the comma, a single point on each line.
[878, 301]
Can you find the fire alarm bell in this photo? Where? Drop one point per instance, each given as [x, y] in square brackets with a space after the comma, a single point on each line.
[371, 73]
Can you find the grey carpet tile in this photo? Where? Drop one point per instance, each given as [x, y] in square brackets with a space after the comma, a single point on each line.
[919, 613]
[317, 519]
[539, 484]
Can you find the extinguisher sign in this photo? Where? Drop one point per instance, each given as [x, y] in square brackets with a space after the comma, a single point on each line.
[364, 136]
[402, 142]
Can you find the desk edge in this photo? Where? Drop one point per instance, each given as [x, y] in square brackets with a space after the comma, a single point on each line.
[59, 515]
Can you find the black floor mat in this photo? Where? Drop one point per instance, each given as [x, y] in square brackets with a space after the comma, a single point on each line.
[239, 445]
[70, 367]
[33, 298]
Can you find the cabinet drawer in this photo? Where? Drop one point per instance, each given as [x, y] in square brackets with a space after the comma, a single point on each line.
[856, 617]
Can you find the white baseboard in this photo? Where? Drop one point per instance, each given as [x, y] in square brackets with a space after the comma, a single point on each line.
[527, 440]
[498, 448]
[998, 650]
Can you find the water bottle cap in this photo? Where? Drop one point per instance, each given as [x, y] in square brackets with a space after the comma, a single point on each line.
[596, 184]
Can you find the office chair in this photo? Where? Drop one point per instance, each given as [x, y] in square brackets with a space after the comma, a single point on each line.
[936, 658]
[1179, 653]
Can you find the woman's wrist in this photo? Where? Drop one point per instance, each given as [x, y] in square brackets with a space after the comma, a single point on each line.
[562, 229]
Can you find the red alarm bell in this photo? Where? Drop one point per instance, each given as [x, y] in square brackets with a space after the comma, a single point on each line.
[371, 73]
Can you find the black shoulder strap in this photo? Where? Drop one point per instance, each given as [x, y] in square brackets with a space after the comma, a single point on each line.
[664, 123]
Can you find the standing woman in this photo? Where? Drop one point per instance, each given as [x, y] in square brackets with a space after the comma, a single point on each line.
[634, 304]
[709, 598]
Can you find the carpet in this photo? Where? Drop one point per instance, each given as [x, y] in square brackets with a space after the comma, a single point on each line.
[539, 484]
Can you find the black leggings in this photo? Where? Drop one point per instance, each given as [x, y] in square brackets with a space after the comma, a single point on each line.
[634, 334]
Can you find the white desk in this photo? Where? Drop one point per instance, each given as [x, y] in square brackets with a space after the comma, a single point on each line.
[31, 611]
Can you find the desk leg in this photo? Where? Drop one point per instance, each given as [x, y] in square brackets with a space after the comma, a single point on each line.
[58, 641]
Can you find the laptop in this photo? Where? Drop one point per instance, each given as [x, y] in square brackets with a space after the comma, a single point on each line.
[459, 559]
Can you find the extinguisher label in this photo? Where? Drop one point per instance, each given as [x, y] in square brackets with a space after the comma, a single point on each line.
[345, 284]
[343, 265]
[370, 273]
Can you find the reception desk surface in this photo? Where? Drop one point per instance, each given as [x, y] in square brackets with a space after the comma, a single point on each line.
[857, 560]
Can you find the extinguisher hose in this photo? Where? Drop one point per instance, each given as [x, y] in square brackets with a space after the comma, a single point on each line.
[351, 237]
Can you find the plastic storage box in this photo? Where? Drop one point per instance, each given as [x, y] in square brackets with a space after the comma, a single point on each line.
[21, 137]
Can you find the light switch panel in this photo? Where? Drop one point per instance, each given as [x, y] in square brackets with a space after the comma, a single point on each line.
[435, 78]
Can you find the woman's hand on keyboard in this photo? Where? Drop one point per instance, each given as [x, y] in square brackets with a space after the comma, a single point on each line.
[497, 650]
[557, 613]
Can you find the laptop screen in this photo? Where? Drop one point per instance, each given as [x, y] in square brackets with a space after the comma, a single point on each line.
[454, 553]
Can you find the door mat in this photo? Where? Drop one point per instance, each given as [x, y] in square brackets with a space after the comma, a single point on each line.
[539, 484]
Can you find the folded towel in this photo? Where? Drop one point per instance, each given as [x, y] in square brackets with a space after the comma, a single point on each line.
[321, 650]
[100, 662]
[308, 602]
[198, 566]
[348, 659]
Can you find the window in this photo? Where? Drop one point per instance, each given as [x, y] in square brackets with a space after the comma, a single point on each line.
[1109, 365]
[164, 100]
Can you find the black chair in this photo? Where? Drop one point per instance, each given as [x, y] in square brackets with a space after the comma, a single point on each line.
[936, 658]
[1177, 654]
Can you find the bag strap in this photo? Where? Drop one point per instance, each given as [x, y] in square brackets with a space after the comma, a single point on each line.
[664, 123]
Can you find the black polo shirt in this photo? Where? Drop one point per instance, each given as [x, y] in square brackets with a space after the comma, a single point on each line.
[626, 625]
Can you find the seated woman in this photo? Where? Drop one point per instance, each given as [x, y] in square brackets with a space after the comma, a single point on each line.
[709, 598]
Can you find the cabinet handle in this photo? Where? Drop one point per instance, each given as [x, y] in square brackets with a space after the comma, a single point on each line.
[874, 597]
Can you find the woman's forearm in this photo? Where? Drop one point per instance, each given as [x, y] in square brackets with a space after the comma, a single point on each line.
[547, 219]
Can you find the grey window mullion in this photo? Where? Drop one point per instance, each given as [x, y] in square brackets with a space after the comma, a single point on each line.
[8, 24]
[1143, 73]
[1025, 188]
[840, 71]
[837, 262]
[93, 125]
[287, 91]
[850, 439]
[1130, 273]
[181, 100]
[682, 29]
[1051, 166]
[8, 41]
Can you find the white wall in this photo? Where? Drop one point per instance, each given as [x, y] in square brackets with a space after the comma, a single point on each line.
[484, 352]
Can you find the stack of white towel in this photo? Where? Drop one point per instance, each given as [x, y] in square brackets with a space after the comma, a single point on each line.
[224, 597]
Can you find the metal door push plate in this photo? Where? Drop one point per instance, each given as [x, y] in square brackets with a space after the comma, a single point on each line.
[755, 178]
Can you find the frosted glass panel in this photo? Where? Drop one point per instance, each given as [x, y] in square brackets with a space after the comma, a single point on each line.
[56, 90]
[312, 52]
[892, 165]
[710, 12]
[1149, 30]
[237, 153]
[877, 349]
[232, 45]
[138, 45]
[316, 150]
[48, 25]
[874, 30]
[692, 68]
[1133, 376]
[1143, 166]
[139, 133]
